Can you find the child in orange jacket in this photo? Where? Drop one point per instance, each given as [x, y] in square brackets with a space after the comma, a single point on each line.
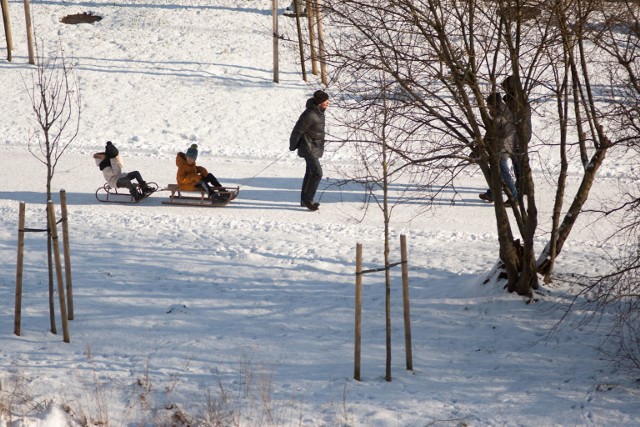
[191, 177]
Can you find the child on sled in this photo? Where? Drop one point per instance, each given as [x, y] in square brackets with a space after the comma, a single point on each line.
[110, 163]
[191, 177]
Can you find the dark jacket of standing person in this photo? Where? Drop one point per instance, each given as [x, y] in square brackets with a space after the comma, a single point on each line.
[308, 135]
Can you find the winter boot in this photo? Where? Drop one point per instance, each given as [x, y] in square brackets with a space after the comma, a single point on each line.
[316, 204]
[509, 203]
[145, 188]
[136, 194]
[220, 198]
[486, 197]
[310, 205]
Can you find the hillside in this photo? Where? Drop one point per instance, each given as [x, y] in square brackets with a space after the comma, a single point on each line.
[244, 315]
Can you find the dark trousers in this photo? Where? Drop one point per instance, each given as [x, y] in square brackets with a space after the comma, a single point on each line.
[312, 178]
[207, 182]
[126, 181]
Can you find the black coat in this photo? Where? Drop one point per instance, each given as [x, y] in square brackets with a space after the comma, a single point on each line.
[307, 135]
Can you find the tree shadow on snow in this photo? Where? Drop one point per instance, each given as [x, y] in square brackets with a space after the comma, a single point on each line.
[186, 70]
[133, 5]
[282, 194]
[335, 191]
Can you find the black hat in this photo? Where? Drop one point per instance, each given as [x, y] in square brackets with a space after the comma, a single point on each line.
[192, 152]
[319, 97]
[509, 85]
[110, 150]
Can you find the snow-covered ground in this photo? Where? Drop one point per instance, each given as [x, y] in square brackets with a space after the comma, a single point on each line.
[245, 313]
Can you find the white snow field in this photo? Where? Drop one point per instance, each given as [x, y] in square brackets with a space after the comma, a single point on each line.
[244, 315]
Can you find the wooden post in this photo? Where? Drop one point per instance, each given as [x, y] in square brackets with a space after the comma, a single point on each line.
[322, 53]
[27, 15]
[300, 45]
[19, 265]
[56, 252]
[358, 320]
[276, 36]
[52, 302]
[7, 27]
[312, 36]
[67, 255]
[405, 300]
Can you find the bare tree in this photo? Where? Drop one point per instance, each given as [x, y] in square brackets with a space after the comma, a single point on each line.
[443, 57]
[581, 112]
[618, 291]
[55, 100]
[379, 145]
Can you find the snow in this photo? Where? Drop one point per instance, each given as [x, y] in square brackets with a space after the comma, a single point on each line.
[245, 313]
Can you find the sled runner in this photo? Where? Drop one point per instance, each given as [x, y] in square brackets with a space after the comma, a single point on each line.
[106, 194]
[183, 198]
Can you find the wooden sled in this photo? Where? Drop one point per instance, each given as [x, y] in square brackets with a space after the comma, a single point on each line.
[106, 194]
[188, 198]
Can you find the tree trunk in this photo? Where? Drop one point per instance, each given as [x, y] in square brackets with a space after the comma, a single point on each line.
[543, 263]
[387, 219]
[528, 280]
[563, 115]
[7, 27]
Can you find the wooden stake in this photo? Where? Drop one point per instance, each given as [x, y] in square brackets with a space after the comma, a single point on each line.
[27, 15]
[56, 252]
[19, 266]
[322, 53]
[406, 303]
[7, 27]
[312, 36]
[67, 255]
[300, 45]
[52, 302]
[358, 320]
[276, 36]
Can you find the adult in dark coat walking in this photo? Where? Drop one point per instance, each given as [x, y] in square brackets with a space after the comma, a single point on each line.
[308, 138]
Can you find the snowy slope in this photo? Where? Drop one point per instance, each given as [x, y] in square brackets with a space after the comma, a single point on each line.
[245, 314]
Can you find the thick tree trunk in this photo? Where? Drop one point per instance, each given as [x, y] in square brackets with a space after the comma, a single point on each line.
[543, 263]
[528, 278]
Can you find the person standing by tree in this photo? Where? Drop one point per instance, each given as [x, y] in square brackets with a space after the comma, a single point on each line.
[521, 119]
[308, 138]
[503, 140]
